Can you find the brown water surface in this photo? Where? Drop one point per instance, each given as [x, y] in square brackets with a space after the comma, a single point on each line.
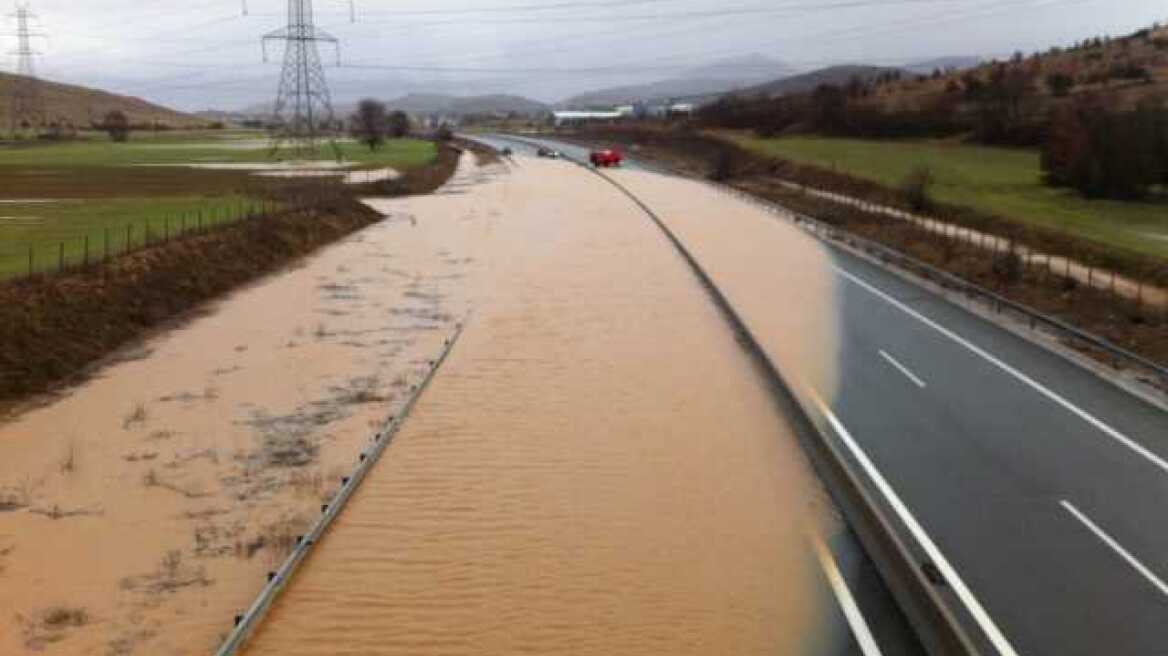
[598, 468]
[142, 510]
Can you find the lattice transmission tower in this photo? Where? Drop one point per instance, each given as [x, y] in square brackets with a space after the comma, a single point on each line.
[26, 109]
[304, 110]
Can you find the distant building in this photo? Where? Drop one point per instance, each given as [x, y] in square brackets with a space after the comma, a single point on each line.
[581, 117]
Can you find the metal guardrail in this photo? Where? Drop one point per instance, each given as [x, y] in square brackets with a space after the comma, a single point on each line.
[1155, 375]
[913, 579]
[904, 569]
[1118, 357]
[1035, 319]
[247, 622]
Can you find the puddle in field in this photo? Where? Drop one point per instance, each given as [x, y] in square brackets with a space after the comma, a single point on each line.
[140, 512]
[597, 469]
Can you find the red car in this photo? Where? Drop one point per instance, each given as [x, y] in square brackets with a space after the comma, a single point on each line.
[606, 157]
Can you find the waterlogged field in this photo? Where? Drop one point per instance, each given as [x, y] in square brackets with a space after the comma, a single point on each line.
[201, 147]
[66, 200]
[1004, 181]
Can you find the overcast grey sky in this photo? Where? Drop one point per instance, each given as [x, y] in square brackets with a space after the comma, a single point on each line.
[205, 53]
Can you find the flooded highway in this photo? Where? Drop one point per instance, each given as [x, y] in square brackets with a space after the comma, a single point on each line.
[597, 469]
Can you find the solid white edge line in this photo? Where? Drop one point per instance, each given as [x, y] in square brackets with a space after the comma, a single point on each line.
[1126, 441]
[983, 619]
[903, 369]
[847, 602]
[1116, 547]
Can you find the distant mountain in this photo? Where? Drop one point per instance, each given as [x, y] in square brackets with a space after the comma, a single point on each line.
[437, 103]
[497, 103]
[81, 106]
[943, 64]
[424, 104]
[709, 80]
[748, 68]
[805, 82]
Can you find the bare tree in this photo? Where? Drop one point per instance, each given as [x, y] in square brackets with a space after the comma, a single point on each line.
[117, 125]
[399, 124]
[368, 124]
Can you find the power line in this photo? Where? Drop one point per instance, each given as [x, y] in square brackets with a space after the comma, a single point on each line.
[27, 106]
[304, 108]
[683, 15]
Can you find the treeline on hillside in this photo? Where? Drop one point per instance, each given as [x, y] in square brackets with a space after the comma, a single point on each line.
[1107, 153]
[1000, 108]
[1095, 109]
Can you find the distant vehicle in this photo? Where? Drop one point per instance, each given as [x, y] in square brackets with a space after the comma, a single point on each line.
[606, 157]
[506, 152]
[550, 153]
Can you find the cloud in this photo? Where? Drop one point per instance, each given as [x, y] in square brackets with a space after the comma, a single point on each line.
[207, 54]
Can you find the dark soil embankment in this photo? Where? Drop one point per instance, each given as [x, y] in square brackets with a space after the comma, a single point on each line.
[1127, 323]
[53, 328]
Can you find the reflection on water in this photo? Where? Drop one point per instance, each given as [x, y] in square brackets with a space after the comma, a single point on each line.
[596, 470]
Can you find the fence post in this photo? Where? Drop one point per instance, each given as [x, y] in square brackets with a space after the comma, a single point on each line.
[60, 257]
[30, 267]
[85, 260]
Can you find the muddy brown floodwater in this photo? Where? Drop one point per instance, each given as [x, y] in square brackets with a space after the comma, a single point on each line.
[141, 511]
[598, 468]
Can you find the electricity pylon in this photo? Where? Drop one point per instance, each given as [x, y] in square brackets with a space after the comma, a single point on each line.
[26, 105]
[304, 110]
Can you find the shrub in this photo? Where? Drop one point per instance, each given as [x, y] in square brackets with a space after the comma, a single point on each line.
[117, 126]
[916, 188]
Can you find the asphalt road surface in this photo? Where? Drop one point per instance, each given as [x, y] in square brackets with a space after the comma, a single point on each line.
[1038, 488]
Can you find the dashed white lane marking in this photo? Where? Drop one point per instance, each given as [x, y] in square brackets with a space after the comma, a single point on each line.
[1114, 434]
[847, 602]
[983, 619]
[1116, 547]
[903, 369]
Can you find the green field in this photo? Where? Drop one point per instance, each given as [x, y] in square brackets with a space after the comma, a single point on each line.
[1003, 181]
[60, 195]
[200, 148]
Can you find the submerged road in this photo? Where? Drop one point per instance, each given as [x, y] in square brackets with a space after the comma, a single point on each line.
[597, 468]
[1040, 487]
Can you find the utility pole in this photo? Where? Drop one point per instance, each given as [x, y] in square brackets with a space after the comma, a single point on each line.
[304, 110]
[26, 105]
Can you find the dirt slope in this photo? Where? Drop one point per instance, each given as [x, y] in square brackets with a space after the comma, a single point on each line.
[79, 106]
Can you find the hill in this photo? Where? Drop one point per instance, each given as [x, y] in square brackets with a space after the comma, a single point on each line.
[437, 103]
[944, 64]
[497, 104]
[80, 106]
[709, 80]
[804, 82]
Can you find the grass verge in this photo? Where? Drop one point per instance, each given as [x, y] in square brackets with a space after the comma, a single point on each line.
[1001, 181]
[1131, 325]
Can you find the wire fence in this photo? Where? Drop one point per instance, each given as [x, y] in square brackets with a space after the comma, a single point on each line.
[119, 238]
